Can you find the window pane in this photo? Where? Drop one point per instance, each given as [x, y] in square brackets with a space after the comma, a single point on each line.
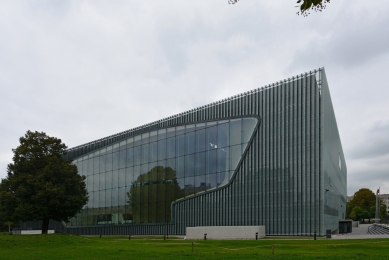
[130, 157]
[96, 182]
[123, 145]
[115, 148]
[129, 176]
[211, 180]
[190, 128]
[115, 160]
[145, 138]
[161, 149]
[145, 153]
[200, 183]
[137, 140]
[180, 130]
[189, 186]
[181, 185]
[189, 165]
[153, 152]
[180, 167]
[153, 136]
[89, 182]
[200, 140]
[137, 154]
[90, 166]
[190, 143]
[103, 158]
[108, 162]
[171, 132]
[222, 178]
[161, 134]
[122, 161]
[222, 160]
[171, 163]
[200, 126]
[211, 161]
[137, 173]
[248, 128]
[180, 145]
[171, 147]
[211, 137]
[235, 132]
[223, 135]
[96, 166]
[115, 178]
[130, 142]
[84, 169]
[108, 180]
[200, 164]
[102, 181]
[235, 154]
[122, 177]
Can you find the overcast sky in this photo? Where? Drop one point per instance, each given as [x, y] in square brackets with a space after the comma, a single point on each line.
[83, 70]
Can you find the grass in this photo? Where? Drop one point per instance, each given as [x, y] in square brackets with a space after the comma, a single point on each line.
[59, 246]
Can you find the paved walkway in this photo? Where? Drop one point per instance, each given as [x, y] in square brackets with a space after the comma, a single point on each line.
[359, 233]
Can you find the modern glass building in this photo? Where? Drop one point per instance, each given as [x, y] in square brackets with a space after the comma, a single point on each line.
[271, 156]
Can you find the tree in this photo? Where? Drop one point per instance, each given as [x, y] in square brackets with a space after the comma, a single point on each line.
[158, 187]
[40, 183]
[362, 205]
[305, 5]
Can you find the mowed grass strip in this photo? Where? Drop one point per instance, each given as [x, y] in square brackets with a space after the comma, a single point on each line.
[59, 246]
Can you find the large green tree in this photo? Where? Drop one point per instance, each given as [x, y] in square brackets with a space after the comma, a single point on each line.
[40, 183]
[305, 6]
[362, 206]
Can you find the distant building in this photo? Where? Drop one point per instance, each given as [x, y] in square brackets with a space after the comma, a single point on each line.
[385, 200]
[271, 156]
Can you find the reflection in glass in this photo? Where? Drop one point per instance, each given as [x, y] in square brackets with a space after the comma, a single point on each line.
[138, 179]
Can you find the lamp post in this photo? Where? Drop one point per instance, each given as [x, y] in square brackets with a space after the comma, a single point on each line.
[167, 219]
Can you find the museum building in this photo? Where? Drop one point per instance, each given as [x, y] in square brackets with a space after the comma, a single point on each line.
[268, 157]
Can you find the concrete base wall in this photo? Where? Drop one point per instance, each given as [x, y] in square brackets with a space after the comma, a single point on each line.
[355, 223]
[225, 232]
[35, 232]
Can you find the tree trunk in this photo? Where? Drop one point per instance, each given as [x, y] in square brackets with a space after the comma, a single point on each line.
[45, 225]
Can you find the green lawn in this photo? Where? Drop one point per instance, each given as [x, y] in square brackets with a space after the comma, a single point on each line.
[74, 247]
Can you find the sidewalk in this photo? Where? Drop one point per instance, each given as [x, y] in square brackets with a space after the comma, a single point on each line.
[359, 233]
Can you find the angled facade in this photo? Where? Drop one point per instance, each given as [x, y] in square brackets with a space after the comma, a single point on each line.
[271, 157]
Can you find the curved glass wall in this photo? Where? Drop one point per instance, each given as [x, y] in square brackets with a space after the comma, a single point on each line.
[136, 180]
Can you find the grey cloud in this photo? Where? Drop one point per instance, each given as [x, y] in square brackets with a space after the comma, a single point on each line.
[84, 70]
[375, 144]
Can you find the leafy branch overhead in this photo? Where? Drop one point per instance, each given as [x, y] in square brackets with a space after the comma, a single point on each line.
[305, 5]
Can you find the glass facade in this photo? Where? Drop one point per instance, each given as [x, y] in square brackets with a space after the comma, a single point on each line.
[136, 180]
[215, 166]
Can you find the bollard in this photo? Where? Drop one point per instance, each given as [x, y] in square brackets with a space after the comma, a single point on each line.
[129, 237]
[192, 247]
[272, 249]
[205, 236]
[256, 236]
[328, 233]
[314, 235]
[100, 236]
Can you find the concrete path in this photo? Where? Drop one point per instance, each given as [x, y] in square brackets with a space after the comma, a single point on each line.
[359, 233]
